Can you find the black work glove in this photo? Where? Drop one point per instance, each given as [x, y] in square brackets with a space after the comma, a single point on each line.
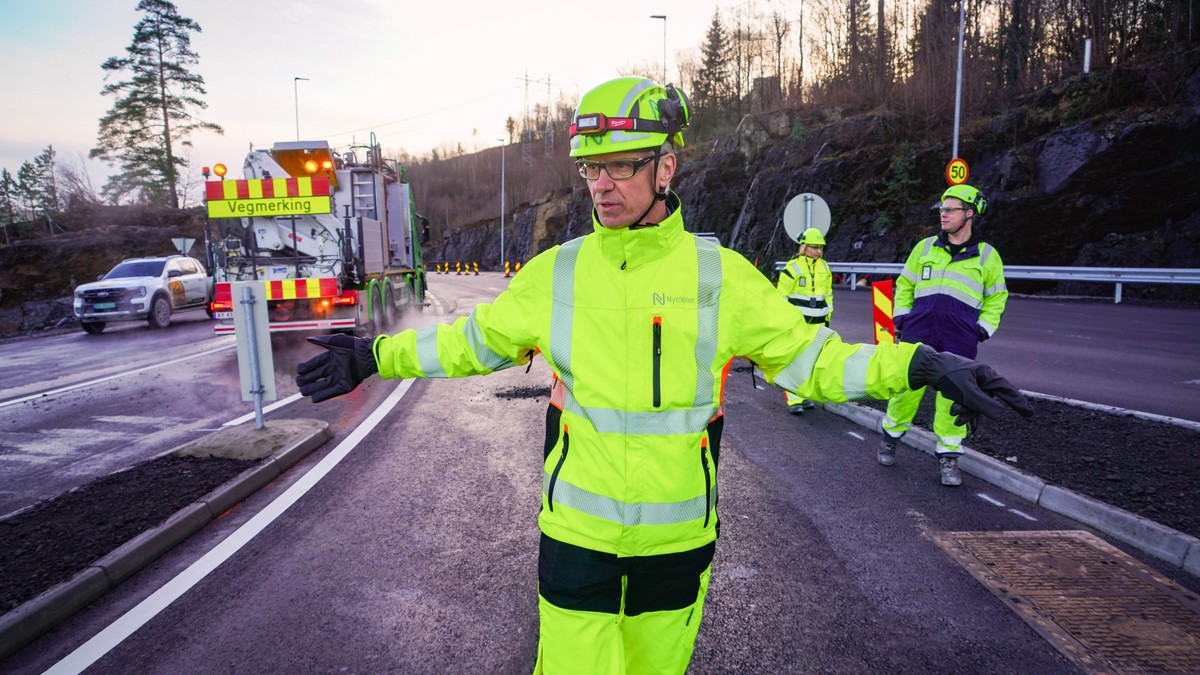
[973, 386]
[348, 362]
[983, 334]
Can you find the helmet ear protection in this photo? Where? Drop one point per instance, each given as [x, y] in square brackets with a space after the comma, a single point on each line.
[981, 203]
[674, 110]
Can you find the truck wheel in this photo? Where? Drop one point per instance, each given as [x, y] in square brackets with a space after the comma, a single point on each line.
[160, 313]
[389, 308]
[93, 327]
[378, 315]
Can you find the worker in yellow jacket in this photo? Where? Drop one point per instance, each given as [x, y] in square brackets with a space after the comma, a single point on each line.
[639, 321]
[807, 282]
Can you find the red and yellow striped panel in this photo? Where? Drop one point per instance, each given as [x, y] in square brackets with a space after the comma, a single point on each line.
[292, 289]
[264, 188]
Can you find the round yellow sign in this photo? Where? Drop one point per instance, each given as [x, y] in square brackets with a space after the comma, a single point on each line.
[957, 172]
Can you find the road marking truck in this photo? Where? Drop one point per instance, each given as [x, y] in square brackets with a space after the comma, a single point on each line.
[334, 237]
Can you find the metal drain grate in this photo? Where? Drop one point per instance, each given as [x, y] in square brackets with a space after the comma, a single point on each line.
[1100, 608]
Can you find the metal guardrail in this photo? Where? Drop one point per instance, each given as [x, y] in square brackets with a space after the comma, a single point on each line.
[1111, 275]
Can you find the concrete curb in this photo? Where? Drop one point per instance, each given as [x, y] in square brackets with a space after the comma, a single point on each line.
[1171, 546]
[26, 623]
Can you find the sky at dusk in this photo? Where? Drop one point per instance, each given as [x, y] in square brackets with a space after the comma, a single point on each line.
[421, 75]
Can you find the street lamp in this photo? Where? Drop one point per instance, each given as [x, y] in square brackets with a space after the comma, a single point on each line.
[504, 144]
[664, 20]
[296, 95]
[962, 13]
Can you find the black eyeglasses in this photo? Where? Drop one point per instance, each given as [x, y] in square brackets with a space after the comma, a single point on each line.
[618, 169]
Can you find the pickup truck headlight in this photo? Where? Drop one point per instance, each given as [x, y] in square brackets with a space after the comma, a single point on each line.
[139, 292]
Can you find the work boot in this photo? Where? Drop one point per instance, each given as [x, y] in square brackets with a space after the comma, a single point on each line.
[948, 470]
[887, 450]
[796, 409]
[809, 405]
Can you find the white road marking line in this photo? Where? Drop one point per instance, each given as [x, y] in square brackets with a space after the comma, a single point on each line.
[1024, 515]
[104, 641]
[861, 438]
[436, 303]
[989, 499]
[274, 406]
[127, 373]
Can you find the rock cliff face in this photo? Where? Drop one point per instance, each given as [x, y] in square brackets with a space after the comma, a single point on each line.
[1097, 170]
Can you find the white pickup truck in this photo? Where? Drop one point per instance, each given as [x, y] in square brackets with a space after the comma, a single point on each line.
[149, 289]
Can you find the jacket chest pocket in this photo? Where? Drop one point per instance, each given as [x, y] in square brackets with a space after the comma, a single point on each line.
[656, 362]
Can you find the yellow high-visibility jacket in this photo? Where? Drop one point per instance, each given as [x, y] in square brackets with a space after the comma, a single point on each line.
[640, 327]
[808, 284]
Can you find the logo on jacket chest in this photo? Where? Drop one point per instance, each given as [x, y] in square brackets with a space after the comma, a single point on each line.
[668, 299]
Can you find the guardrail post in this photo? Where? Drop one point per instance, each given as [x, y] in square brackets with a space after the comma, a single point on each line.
[1118, 298]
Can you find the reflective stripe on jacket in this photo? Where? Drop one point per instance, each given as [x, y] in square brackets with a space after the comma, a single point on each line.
[640, 328]
[950, 302]
[808, 284]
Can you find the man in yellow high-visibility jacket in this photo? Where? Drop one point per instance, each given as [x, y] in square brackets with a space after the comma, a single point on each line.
[807, 282]
[639, 321]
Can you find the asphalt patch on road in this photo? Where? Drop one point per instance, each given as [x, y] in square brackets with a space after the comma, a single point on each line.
[524, 392]
[1100, 608]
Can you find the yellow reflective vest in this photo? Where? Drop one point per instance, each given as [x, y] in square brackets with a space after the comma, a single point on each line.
[640, 327]
[808, 284]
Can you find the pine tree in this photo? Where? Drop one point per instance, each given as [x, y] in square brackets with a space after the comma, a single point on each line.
[712, 82]
[8, 202]
[29, 189]
[43, 166]
[152, 113]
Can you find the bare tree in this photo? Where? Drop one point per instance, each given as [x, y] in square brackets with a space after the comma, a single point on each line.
[76, 185]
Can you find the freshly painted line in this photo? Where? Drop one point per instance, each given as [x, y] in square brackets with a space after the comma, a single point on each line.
[104, 641]
[436, 303]
[274, 406]
[861, 438]
[989, 499]
[91, 383]
[1024, 515]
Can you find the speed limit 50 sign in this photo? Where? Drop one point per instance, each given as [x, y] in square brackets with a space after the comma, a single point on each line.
[957, 172]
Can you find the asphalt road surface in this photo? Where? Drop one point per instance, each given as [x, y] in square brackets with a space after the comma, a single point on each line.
[408, 543]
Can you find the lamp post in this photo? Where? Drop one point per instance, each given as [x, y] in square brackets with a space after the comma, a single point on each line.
[664, 20]
[504, 144]
[296, 95]
[962, 13]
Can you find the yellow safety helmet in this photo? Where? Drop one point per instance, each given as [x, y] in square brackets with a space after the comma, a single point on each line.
[968, 195]
[628, 113]
[812, 237]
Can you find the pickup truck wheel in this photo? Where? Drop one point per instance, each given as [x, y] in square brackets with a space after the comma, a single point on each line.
[93, 327]
[160, 313]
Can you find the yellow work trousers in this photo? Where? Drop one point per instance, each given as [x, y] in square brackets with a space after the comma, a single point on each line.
[903, 407]
[603, 615]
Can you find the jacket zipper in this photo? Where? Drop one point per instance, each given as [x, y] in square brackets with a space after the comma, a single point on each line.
[558, 467]
[707, 478]
[657, 360]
